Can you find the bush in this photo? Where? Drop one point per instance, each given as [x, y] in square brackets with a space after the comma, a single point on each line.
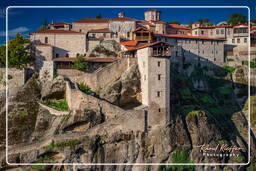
[61, 105]
[80, 64]
[207, 100]
[67, 143]
[230, 59]
[188, 108]
[85, 88]
[252, 63]
[229, 69]
[179, 157]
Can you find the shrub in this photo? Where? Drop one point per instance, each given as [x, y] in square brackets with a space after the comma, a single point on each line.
[229, 69]
[194, 113]
[10, 77]
[252, 63]
[207, 99]
[80, 64]
[67, 143]
[230, 59]
[185, 93]
[85, 88]
[188, 108]
[179, 157]
[37, 166]
[61, 105]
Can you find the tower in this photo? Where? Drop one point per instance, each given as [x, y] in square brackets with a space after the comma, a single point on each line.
[154, 67]
[152, 15]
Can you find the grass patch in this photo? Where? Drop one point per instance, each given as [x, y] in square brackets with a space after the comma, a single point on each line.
[68, 143]
[23, 113]
[229, 69]
[240, 158]
[37, 166]
[85, 88]
[61, 105]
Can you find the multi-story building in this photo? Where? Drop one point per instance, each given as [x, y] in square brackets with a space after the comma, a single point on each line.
[234, 35]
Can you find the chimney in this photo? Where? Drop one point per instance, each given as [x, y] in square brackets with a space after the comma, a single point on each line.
[121, 15]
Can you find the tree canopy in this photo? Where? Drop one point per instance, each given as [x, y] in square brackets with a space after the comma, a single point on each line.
[18, 52]
[80, 64]
[44, 25]
[205, 21]
[237, 19]
[174, 22]
[98, 16]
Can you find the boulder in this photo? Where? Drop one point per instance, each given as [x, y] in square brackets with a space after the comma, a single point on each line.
[54, 89]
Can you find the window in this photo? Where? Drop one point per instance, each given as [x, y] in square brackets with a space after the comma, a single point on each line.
[145, 77]
[158, 94]
[67, 55]
[196, 41]
[158, 63]
[238, 40]
[233, 40]
[202, 42]
[216, 52]
[159, 76]
[46, 40]
[77, 54]
[203, 51]
[195, 32]
[202, 32]
[222, 31]
[56, 55]
[217, 31]
[212, 51]
[245, 40]
[80, 30]
[159, 110]
[128, 34]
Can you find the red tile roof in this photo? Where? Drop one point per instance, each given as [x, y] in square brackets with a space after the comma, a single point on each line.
[92, 20]
[88, 59]
[59, 24]
[100, 30]
[49, 31]
[153, 10]
[177, 26]
[129, 43]
[187, 36]
[253, 45]
[123, 19]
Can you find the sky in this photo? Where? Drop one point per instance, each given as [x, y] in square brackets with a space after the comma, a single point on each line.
[25, 20]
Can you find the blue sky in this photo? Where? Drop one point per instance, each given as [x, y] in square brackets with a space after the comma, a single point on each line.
[27, 20]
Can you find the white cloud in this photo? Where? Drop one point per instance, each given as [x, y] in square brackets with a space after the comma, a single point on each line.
[13, 32]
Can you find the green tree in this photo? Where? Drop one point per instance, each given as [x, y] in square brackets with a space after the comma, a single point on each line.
[174, 22]
[237, 19]
[44, 25]
[98, 16]
[205, 21]
[18, 52]
[80, 64]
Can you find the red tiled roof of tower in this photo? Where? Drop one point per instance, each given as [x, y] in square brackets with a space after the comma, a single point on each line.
[92, 20]
[59, 24]
[100, 30]
[50, 31]
[154, 10]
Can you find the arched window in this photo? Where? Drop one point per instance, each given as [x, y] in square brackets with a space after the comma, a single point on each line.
[46, 40]
[57, 55]
[67, 55]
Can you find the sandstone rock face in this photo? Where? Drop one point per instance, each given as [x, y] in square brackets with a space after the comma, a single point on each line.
[53, 89]
[106, 48]
[125, 91]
